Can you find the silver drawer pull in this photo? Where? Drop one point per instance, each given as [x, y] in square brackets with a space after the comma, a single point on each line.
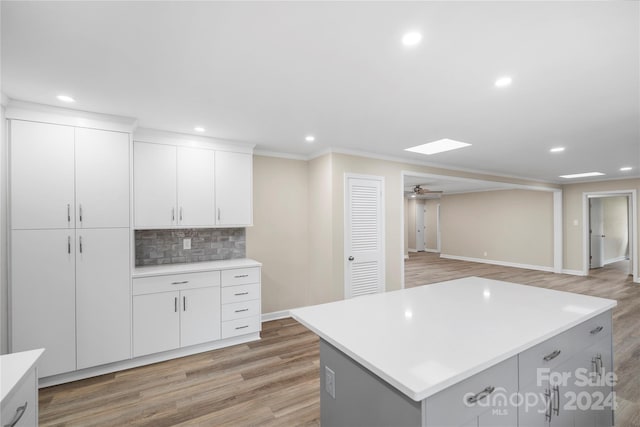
[596, 330]
[19, 413]
[180, 283]
[242, 327]
[479, 396]
[241, 275]
[241, 293]
[551, 356]
[241, 310]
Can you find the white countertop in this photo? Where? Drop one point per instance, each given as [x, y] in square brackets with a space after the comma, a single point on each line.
[425, 339]
[193, 267]
[13, 367]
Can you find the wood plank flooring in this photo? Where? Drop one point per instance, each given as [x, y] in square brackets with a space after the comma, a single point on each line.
[275, 382]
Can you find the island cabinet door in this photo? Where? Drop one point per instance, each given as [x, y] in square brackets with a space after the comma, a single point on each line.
[483, 399]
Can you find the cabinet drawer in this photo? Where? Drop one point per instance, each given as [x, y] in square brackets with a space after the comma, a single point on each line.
[237, 327]
[560, 348]
[240, 310]
[175, 282]
[240, 276]
[451, 406]
[24, 394]
[233, 294]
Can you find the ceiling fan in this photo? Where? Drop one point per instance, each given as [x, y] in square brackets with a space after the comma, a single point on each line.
[419, 190]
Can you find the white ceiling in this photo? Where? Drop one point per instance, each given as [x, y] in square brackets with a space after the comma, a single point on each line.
[270, 73]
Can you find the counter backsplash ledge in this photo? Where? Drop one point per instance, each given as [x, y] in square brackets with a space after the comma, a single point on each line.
[155, 247]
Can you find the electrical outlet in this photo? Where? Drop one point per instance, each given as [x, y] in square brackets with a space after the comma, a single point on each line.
[330, 382]
[186, 244]
[485, 254]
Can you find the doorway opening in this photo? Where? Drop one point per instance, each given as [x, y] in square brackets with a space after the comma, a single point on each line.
[610, 239]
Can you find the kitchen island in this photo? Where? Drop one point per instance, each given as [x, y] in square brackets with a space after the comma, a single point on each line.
[465, 352]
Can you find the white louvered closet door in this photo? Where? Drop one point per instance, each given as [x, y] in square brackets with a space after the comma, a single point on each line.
[364, 235]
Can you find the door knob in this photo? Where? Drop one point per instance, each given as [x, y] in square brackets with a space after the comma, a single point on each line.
[351, 258]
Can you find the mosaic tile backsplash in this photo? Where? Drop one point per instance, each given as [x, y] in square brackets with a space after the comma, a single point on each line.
[154, 247]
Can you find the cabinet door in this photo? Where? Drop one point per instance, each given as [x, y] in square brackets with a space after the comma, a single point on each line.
[103, 296]
[43, 293]
[42, 175]
[154, 181]
[234, 183]
[102, 178]
[200, 321]
[156, 323]
[195, 187]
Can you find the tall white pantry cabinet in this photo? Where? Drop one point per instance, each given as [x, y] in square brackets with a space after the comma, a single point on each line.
[70, 244]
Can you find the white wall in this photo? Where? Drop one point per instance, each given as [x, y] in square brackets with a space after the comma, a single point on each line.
[4, 296]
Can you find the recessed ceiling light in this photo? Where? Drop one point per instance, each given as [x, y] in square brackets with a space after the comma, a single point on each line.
[581, 175]
[557, 149]
[65, 98]
[503, 81]
[437, 146]
[412, 38]
[198, 129]
[309, 138]
[626, 168]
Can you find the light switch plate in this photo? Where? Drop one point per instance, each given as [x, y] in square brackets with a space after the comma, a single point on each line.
[186, 244]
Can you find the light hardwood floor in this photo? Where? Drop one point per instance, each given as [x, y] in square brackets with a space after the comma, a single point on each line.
[275, 382]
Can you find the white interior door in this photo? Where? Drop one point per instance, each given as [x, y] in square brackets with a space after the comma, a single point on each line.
[596, 233]
[364, 235]
[420, 230]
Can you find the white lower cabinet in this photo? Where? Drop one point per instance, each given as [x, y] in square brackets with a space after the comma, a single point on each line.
[43, 297]
[165, 320]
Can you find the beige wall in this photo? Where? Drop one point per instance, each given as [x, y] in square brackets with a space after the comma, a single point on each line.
[411, 224]
[573, 219]
[431, 224]
[615, 212]
[514, 226]
[280, 235]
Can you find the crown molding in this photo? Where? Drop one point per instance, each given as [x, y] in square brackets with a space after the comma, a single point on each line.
[182, 139]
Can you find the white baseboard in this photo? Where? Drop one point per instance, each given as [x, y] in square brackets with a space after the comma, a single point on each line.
[612, 260]
[574, 272]
[501, 263]
[412, 250]
[283, 314]
[406, 257]
[435, 251]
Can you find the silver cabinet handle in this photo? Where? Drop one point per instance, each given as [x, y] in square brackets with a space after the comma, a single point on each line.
[80, 212]
[596, 330]
[240, 275]
[68, 244]
[19, 413]
[180, 283]
[241, 293]
[218, 214]
[598, 365]
[242, 327]
[481, 395]
[173, 214]
[180, 213]
[175, 304]
[184, 303]
[552, 355]
[68, 213]
[548, 413]
[556, 393]
[241, 310]
[80, 243]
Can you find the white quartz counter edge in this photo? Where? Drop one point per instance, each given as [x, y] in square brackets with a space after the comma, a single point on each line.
[193, 267]
[474, 367]
[13, 368]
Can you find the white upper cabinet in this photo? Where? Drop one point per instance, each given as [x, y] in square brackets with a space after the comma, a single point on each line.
[195, 187]
[66, 177]
[42, 175]
[234, 183]
[154, 180]
[179, 185]
[102, 178]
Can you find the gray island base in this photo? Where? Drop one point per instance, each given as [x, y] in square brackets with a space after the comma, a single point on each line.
[469, 352]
